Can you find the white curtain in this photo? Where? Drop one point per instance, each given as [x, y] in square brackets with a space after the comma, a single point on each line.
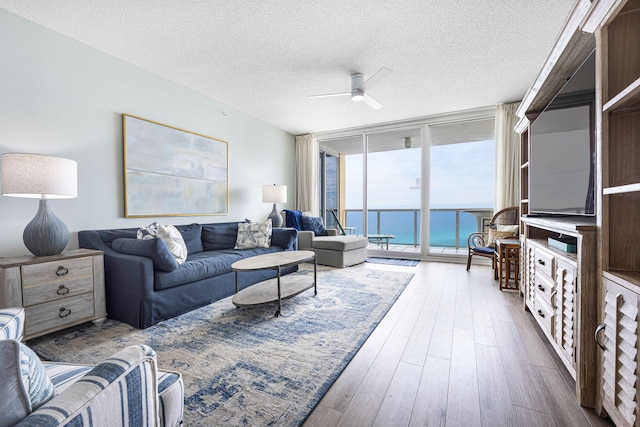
[507, 184]
[307, 159]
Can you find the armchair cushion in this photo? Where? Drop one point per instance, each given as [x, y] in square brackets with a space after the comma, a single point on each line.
[120, 391]
[314, 224]
[12, 323]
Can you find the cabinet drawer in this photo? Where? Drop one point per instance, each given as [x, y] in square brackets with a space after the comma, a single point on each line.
[544, 315]
[544, 263]
[544, 289]
[58, 279]
[56, 314]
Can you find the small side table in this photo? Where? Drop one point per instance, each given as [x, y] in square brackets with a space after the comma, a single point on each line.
[508, 252]
[56, 291]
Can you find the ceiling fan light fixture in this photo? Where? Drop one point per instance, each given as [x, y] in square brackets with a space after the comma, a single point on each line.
[357, 95]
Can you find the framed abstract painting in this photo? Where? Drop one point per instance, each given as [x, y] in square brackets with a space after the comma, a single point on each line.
[173, 172]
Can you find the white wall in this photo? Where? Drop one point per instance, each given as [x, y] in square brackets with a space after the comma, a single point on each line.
[62, 98]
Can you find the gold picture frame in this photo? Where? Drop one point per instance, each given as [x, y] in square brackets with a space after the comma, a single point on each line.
[173, 172]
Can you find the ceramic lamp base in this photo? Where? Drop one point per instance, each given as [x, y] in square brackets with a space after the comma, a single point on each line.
[46, 234]
[276, 218]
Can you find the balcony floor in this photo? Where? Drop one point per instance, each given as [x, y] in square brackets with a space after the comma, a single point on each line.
[414, 250]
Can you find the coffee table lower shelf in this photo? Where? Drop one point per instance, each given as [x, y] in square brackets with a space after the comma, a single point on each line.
[267, 291]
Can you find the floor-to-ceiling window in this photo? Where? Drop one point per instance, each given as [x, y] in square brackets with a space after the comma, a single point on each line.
[414, 190]
[329, 182]
[461, 183]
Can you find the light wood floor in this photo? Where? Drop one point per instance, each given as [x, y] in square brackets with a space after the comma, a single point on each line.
[453, 351]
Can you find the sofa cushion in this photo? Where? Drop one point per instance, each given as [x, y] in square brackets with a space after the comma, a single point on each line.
[192, 236]
[155, 248]
[340, 243]
[108, 236]
[206, 264]
[222, 236]
[313, 223]
[254, 235]
[284, 237]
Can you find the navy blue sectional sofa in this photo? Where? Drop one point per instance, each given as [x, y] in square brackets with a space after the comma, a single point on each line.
[141, 293]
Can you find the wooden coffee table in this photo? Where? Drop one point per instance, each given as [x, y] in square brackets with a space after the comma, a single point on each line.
[279, 288]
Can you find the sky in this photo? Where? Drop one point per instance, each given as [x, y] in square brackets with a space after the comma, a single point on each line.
[461, 175]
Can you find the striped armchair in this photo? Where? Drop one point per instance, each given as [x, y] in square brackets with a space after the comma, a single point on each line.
[124, 390]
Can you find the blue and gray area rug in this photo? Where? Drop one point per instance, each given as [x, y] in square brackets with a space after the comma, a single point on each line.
[243, 366]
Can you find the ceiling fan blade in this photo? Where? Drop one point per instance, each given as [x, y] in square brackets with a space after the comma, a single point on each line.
[328, 95]
[371, 102]
[373, 80]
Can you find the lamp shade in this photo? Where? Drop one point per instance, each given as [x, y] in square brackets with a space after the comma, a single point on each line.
[39, 176]
[274, 193]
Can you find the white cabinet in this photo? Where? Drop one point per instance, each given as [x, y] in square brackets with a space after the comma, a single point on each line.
[560, 291]
[618, 339]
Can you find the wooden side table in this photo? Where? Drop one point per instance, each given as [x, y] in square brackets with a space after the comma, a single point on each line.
[56, 291]
[508, 253]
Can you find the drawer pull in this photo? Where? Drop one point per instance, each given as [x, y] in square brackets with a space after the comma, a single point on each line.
[541, 288]
[598, 330]
[540, 313]
[553, 294]
[62, 290]
[64, 312]
[541, 262]
[61, 271]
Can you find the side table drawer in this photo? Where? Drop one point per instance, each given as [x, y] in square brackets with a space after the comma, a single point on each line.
[56, 314]
[57, 279]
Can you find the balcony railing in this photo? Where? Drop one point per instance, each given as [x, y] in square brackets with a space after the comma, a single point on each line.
[448, 227]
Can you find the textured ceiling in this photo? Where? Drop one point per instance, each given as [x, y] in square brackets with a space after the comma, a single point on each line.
[264, 57]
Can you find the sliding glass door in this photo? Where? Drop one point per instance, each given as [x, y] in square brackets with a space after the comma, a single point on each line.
[461, 183]
[414, 191]
[378, 192]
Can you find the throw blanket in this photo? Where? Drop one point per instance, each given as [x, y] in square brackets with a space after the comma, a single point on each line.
[293, 219]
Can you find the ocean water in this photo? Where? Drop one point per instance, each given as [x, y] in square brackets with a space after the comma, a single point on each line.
[402, 225]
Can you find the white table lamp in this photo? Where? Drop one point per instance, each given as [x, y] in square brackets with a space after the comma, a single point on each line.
[41, 177]
[274, 194]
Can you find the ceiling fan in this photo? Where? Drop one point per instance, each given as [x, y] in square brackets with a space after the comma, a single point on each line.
[359, 88]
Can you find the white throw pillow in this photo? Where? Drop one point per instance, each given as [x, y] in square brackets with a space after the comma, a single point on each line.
[169, 235]
[254, 235]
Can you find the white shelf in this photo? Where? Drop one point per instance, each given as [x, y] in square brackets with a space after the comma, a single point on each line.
[630, 188]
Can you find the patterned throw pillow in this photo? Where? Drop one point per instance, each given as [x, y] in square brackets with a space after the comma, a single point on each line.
[502, 232]
[254, 235]
[35, 379]
[169, 235]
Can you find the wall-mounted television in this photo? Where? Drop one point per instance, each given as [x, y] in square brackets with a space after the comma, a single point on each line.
[562, 149]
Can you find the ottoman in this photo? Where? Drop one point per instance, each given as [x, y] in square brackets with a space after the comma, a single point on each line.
[340, 251]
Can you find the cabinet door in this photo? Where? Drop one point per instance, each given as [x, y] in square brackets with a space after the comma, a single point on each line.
[565, 310]
[620, 354]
